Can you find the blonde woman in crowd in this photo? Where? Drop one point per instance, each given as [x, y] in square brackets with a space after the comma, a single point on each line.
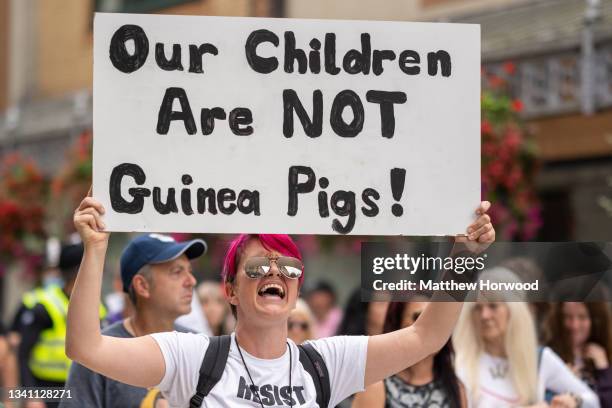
[301, 323]
[500, 364]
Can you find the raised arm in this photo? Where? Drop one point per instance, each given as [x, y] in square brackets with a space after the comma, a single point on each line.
[136, 361]
[390, 353]
[557, 377]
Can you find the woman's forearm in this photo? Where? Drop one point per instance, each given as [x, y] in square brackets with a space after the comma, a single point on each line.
[393, 352]
[436, 324]
[390, 353]
[83, 325]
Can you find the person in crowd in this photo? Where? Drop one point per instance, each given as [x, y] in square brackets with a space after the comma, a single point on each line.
[362, 318]
[354, 320]
[41, 323]
[431, 382]
[498, 359]
[8, 366]
[528, 271]
[581, 334]
[214, 306]
[117, 303]
[322, 302]
[262, 275]
[195, 321]
[300, 323]
[376, 317]
[156, 275]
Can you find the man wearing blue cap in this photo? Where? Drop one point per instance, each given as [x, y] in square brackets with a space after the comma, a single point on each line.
[157, 276]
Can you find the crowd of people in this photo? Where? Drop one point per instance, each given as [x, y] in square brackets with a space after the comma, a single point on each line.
[265, 327]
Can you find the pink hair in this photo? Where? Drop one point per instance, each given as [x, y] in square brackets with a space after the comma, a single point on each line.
[280, 243]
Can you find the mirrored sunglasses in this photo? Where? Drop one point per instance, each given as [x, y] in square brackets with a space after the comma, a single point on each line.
[259, 266]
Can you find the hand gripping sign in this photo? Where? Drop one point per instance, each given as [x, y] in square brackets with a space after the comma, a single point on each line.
[224, 125]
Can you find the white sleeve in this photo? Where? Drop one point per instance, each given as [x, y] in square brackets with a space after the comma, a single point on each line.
[558, 378]
[183, 354]
[345, 358]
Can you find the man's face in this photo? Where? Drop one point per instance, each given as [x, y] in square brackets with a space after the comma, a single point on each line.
[172, 285]
[267, 300]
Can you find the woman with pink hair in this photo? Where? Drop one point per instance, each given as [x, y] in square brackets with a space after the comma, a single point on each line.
[262, 276]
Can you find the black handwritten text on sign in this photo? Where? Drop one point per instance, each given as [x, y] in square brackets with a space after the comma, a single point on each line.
[214, 124]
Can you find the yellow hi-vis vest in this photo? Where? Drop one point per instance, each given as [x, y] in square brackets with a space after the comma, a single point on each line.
[48, 360]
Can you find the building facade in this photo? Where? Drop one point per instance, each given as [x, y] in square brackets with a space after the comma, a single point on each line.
[562, 54]
[46, 76]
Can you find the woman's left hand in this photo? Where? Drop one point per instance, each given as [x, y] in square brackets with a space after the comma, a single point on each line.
[480, 234]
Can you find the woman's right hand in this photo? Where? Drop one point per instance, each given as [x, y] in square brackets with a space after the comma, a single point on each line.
[88, 222]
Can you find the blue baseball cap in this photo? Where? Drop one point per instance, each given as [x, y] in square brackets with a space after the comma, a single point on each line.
[153, 249]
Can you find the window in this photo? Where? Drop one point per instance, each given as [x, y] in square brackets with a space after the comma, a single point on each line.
[552, 84]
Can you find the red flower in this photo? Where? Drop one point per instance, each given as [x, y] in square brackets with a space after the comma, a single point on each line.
[513, 139]
[514, 178]
[509, 68]
[496, 170]
[486, 128]
[517, 105]
[496, 81]
[489, 149]
[8, 210]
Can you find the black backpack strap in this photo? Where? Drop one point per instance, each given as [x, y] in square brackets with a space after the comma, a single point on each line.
[315, 366]
[212, 368]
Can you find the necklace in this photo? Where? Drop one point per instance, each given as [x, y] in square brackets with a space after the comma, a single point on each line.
[256, 389]
[499, 370]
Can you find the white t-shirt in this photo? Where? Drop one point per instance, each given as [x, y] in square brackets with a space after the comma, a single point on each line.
[195, 320]
[345, 357]
[496, 388]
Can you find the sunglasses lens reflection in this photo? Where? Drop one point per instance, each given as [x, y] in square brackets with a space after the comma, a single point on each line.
[253, 266]
[290, 267]
[258, 267]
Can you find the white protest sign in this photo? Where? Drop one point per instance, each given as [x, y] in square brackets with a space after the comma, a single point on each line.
[227, 125]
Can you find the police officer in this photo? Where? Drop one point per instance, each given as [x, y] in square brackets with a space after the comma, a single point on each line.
[42, 328]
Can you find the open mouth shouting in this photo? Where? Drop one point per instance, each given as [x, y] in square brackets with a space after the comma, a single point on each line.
[272, 291]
